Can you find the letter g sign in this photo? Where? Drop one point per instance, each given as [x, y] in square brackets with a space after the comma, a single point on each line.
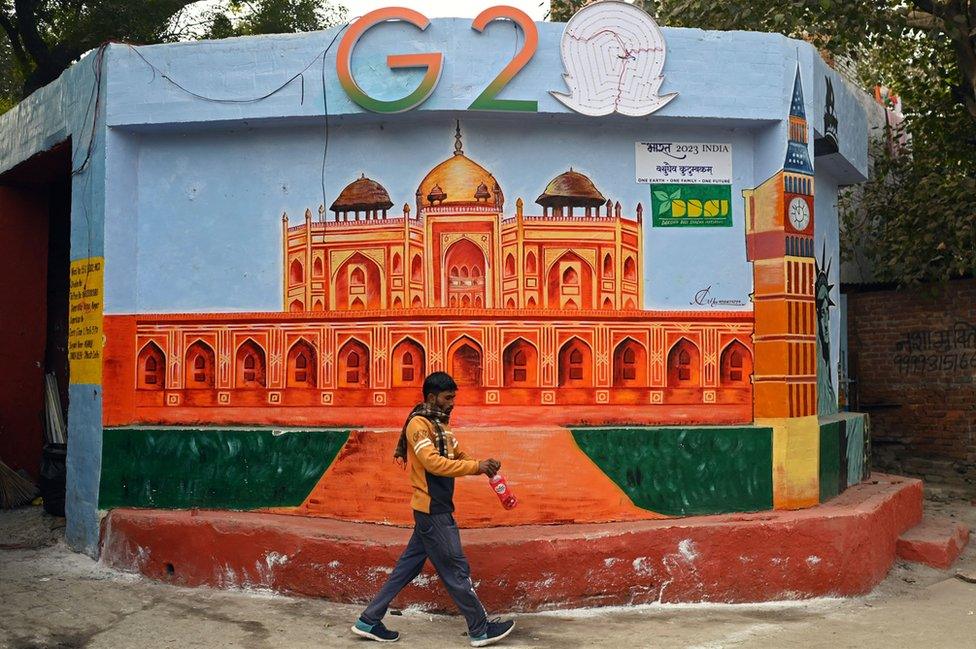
[431, 61]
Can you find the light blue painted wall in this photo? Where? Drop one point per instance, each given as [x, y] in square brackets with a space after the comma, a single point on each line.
[725, 75]
[206, 216]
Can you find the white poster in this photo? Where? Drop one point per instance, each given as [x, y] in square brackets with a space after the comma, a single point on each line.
[684, 163]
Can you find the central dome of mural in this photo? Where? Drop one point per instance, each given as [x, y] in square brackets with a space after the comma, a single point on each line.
[459, 180]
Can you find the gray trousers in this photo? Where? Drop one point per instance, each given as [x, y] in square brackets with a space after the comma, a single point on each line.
[435, 536]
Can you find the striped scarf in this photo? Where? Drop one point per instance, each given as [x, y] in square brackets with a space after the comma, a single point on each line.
[432, 414]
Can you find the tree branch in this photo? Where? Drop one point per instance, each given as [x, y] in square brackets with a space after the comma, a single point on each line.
[929, 7]
[23, 62]
[27, 27]
[924, 20]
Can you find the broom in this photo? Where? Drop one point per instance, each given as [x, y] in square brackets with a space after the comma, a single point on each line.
[14, 489]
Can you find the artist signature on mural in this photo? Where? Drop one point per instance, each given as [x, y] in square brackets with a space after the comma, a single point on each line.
[704, 298]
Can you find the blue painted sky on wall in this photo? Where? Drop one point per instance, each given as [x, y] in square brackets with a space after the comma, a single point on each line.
[210, 204]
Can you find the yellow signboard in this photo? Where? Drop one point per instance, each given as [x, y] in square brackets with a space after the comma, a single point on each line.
[85, 307]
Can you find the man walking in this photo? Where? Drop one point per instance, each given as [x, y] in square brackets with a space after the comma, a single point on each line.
[435, 458]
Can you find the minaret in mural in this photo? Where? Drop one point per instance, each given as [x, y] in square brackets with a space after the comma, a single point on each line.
[779, 242]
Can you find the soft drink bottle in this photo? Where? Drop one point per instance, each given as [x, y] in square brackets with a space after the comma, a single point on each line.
[500, 487]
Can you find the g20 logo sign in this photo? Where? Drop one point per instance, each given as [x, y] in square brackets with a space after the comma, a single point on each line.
[613, 58]
[433, 62]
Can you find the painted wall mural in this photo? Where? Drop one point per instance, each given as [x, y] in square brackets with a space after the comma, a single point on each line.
[827, 402]
[213, 469]
[620, 409]
[845, 453]
[533, 309]
[828, 143]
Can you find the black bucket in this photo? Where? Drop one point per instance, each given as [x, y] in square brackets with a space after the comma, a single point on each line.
[54, 472]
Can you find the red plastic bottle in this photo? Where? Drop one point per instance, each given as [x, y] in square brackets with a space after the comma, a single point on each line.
[505, 495]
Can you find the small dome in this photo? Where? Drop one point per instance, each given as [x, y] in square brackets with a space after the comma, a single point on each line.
[362, 194]
[571, 189]
[458, 181]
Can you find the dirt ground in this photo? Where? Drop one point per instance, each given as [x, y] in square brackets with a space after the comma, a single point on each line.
[51, 597]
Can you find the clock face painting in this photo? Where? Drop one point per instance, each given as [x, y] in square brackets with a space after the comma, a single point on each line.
[799, 213]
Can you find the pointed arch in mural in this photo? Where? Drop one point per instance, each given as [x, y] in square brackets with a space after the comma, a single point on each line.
[357, 284]
[465, 268]
[520, 364]
[151, 364]
[735, 365]
[629, 364]
[630, 269]
[353, 365]
[250, 367]
[570, 283]
[466, 362]
[199, 366]
[575, 364]
[684, 365]
[296, 273]
[416, 269]
[409, 363]
[301, 365]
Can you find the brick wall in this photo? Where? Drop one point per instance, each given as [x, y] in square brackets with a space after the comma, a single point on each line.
[913, 355]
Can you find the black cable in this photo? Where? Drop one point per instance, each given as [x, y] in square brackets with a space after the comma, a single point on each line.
[299, 75]
[220, 100]
[325, 111]
[94, 99]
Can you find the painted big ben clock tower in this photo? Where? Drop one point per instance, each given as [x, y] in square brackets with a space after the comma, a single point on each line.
[779, 242]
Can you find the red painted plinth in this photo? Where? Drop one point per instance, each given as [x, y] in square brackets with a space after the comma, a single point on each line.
[935, 542]
[844, 547]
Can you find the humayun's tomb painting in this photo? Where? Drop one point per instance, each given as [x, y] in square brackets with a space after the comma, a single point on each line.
[525, 304]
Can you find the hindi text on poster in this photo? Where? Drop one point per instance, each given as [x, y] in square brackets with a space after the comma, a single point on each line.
[85, 309]
[684, 163]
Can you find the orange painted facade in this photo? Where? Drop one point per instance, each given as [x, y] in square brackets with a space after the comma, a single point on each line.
[527, 310]
[293, 368]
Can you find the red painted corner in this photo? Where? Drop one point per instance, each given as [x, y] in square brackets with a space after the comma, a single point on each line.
[935, 542]
[844, 547]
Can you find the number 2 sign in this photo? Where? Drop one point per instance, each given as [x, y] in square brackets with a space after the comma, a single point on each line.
[433, 62]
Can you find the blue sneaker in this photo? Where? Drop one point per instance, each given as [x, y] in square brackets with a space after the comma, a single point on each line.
[495, 632]
[376, 631]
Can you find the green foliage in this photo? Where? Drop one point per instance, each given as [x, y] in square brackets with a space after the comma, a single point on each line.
[39, 39]
[243, 18]
[915, 220]
[10, 80]
[46, 36]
